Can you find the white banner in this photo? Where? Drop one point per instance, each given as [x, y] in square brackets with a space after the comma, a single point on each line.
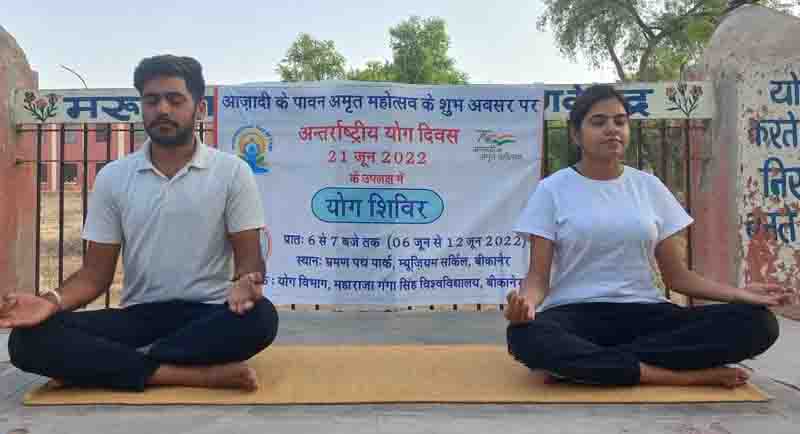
[389, 194]
[663, 100]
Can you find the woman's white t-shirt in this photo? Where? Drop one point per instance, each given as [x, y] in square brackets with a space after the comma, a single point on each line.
[604, 234]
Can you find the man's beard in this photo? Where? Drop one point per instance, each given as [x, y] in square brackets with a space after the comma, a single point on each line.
[181, 136]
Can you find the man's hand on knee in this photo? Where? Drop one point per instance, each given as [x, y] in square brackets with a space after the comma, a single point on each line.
[25, 310]
[245, 292]
[519, 309]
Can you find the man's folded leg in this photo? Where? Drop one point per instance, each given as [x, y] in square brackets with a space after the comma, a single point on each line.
[219, 336]
[211, 349]
[197, 344]
[89, 348]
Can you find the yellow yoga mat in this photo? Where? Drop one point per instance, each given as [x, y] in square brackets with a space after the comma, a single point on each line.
[354, 374]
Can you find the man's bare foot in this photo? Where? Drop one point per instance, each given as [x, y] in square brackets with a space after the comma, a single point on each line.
[232, 376]
[55, 384]
[227, 376]
[721, 376]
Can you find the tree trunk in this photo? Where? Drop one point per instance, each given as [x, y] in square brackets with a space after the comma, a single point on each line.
[615, 59]
[644, 73]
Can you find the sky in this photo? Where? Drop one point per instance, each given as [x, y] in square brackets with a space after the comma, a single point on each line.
[241, 41]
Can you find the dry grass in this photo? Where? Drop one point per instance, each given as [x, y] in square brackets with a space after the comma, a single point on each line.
[73, 220]
[72, 244]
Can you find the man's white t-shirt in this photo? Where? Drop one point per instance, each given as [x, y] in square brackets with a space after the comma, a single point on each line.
[604, 234]
[174, 231]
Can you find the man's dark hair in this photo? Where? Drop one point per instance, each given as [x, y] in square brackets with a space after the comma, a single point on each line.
[168, 65]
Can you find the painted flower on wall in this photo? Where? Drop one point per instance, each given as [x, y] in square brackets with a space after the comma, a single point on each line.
[41, 107]
[684, 97]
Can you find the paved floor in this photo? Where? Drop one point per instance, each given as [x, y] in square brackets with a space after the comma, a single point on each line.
[777, 372]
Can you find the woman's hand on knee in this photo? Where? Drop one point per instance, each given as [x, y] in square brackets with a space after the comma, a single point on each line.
[766, 294]
[519, 309]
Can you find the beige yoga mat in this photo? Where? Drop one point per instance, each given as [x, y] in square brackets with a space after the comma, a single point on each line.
[394, 374]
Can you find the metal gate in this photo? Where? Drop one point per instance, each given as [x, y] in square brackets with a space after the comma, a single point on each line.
[69, 149]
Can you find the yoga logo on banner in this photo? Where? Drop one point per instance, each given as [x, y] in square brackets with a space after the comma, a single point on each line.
[253, 145]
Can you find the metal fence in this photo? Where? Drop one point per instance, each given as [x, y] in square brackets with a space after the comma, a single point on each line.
[38, 132]
[661, 147]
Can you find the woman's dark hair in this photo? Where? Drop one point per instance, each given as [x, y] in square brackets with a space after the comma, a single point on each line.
[168, 65]
[584, 103]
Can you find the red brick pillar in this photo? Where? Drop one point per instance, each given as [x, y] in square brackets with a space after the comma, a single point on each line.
[17, 186]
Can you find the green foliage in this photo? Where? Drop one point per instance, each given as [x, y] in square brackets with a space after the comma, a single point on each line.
[309, 59]
[419, 55]
[373, 71]
[644, 40]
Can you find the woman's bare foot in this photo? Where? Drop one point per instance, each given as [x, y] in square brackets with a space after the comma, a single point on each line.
[552, 378]
[227, 376]
[726, 377]
[721, 376]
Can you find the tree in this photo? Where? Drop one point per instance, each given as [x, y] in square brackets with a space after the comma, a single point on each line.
[419, 51]
[309, 59]
[643, 39]
[419, 55]
[373, 71]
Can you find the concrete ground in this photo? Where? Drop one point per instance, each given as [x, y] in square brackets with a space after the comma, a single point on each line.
[777, 372]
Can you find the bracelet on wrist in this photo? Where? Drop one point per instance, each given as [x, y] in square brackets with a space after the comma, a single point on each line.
[55, 297]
